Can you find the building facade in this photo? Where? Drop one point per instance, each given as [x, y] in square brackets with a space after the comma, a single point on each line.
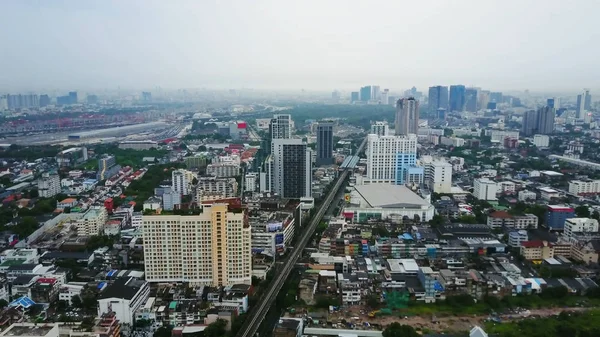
[438, 98]
[48, 185]
[212, 248]
[484, 189]
[389, 158]
[325, 143]
[407, 117]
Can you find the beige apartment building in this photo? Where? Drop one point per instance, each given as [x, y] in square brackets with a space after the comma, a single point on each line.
[212, 248]
[92, 222]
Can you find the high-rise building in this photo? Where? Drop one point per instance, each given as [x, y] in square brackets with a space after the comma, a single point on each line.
[73, 97]
[365, 93]
[376, 94]
[211, 249]
[385, 97]
[92, 99]
[583, 100]
[392, 159]
[3, 103]
[107, 167]
[290, 169]
[44, 100]
[545, 121]
[551, 102]
[588, 100]
[354, 96]
[484, 189]
[146, 96]
[407, 116]
[457, 98]
[496, 97]
[483, 98]
[380, 128]
[539, 122]
[438, 175]
[391, 100]
[471, 98]
[281, 127]
[438, 98]
[325, 143]
[48, 185]
[181, 181]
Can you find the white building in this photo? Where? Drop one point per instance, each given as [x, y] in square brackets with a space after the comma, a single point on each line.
[526, 195]
[212, 248]
[498, 136]
[484, 189]
[48, 185]
[578, 226]
[380, 128]
[516, 237]
[227, 187]
[385, 201]
[136, 219]
[390, 157]
[506, 187]
[250, 181]
[548, 193]
[223, 170]
[587, 187]
[92, 222]
[69, 290]
[152, 203]
[541, 140]
[124, 297]
[181, 181]
[438, 176]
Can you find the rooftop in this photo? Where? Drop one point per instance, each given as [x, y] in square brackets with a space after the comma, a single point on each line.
[389, 196]
[123, 288]
[28, 329]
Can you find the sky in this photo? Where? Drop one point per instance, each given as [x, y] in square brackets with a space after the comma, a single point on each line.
[549, 45]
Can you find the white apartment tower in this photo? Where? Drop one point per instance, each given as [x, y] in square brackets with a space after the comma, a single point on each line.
[484, 189]
[380, 128]
[211, 249]
[92, 222]
[280, 126]
[390, 157]
[438, 176]
[407, 117]
[48, 185]
[541, 140]
[181, 181]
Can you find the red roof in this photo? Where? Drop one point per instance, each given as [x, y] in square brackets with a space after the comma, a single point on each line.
[535, 244]
[501, 214]
[46, 280]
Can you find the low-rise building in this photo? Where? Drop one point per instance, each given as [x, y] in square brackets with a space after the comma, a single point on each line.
[515, 238]
[556, 216]
[92, 222]
[584, 187]
[580, 226]
[124, 297]
[548, 193]
[485, 189]
[527, 195]
[537, 250]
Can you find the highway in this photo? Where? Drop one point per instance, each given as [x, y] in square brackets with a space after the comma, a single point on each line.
[258, 313]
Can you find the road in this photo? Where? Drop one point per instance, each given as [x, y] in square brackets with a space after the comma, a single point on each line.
[258, 313]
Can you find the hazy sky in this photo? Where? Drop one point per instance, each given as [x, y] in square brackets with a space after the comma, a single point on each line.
[321, 44]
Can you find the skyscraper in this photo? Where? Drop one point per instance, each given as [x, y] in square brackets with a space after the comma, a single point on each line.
[496, 97]
[376, 94]
[44, 100]
[281, 126]
[583, 100]
[545, 120]
[354, 96]
[365, 93]
[438, 98]
[407, 116]
[290, 171]
[73, 97]
[211, 249]
[471, 98]
[380, 128]
[325, 143]
[390, 159]
[539, 122]
[457, 98]
[147, 96]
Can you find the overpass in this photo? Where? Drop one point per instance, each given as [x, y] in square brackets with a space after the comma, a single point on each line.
[258, 313]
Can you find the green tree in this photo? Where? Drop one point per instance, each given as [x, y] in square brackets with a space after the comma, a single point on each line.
[3, 303]
[400, 330]
[582, 211]
[76, 301]
[163, 331]
[216, 329]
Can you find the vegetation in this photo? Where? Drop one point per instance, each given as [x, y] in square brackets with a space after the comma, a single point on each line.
[216, 329]
[127, 157]
[573, 324]
[30, 153]
[400, 330]
[144, 188]
[358, 115]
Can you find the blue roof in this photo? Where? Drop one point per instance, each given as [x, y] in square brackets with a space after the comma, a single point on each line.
[101, 285]
[111, 273]
[407, 236]
[24, 302]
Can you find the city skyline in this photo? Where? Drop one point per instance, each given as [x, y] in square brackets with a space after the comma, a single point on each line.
[124, 44]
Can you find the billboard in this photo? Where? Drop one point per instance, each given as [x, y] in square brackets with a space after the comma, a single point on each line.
[274, 227]
[279, 239]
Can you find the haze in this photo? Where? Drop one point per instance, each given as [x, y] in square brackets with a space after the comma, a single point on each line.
[504, 45]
